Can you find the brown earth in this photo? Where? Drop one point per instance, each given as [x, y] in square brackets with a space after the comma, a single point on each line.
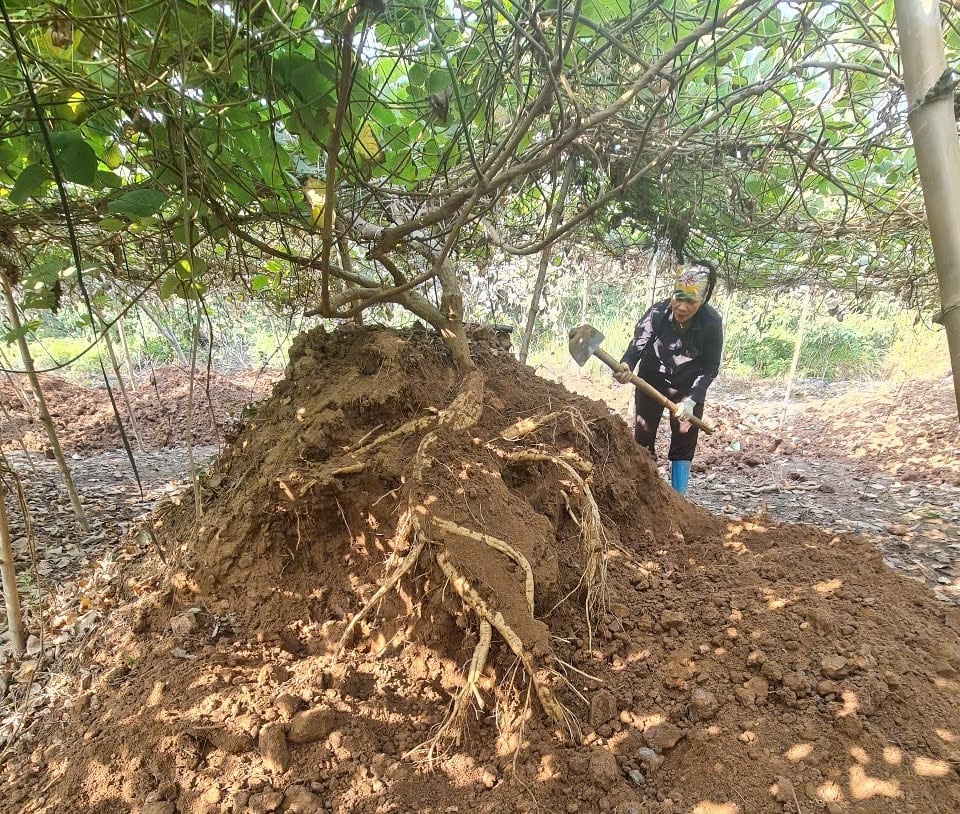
[738, 668]
[904, 429]
[85, 420]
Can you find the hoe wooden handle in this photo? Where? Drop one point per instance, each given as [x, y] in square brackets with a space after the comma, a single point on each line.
[655, 394]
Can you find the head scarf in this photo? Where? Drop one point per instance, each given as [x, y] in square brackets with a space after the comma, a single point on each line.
[692, 283]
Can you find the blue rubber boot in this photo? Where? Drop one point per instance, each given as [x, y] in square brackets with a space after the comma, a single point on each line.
[680, 476]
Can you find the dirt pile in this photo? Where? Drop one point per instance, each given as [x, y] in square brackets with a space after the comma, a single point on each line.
[85, 420]
[545, 626]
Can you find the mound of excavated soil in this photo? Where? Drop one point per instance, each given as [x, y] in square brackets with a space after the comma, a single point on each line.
[85, 420]
[737, 669]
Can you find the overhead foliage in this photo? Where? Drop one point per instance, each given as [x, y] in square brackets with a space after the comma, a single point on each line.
[338, 155]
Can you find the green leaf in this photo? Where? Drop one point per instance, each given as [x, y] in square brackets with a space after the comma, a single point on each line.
[438, 81]
[169, 286]
[138, 203]
[417, 75]
[260, 282]
[112, 224]
[29, 183]
[12, 336]
[109, 179]
[77, 160]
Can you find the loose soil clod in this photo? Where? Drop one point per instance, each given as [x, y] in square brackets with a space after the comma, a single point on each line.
[363, 572]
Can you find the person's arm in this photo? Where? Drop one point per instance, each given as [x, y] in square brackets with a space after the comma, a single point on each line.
[641, 338]
[712, 355]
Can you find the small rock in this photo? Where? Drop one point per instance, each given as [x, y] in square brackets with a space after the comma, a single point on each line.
[821, 620]
[159, 807]
[754, 690]
[825, 687]
[287, 705]
[184, 624]
[604, 769]
[782, 790]
[297, 800]
[273, 748]
[663, 736]
[671, 620]
[649, 759]
[896, 529]
[747, 737]
[703, 705]
[636, 777]
[312, 725]
[833, 666]
[603, 708]
[272, 674]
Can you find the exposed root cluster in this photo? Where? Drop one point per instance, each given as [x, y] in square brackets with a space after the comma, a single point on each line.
[422, 530]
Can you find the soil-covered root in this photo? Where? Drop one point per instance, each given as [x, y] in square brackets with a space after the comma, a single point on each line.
[593, 536]
[394, 574]
[538, 673]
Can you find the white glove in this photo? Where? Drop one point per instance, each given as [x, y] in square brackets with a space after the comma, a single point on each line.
[685, 410]
[623, 374]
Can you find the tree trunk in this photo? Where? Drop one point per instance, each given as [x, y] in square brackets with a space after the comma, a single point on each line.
[554, 221]
[801, 331]
[42, 412]
[934, 128]
[451, 310]
[167, 334]
[11, 595]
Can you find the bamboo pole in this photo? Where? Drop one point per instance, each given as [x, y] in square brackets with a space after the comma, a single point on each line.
[8, 575]
[930, 90]
[42, 412]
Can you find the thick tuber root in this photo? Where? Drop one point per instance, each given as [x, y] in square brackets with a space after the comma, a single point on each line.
[497, 545]
[593, 537]
[538, 677]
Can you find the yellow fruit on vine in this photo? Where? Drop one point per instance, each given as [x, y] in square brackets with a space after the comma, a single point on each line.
[113, 157]
[315, 192]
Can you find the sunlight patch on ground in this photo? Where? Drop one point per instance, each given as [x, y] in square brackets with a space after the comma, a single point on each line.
[798, 752]
[892, 755]
[864, 787]
[828, 587]
[707, 807]
[930, 767]
[830, 792]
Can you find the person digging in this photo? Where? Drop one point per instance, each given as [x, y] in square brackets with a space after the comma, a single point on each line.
[676, 348]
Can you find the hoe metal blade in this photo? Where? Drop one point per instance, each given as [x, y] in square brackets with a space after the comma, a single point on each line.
[584, 341]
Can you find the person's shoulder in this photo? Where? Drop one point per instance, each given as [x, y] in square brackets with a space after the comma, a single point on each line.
[709, 313]
[662, 307]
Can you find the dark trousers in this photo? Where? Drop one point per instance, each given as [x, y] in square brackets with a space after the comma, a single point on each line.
[649, 413]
